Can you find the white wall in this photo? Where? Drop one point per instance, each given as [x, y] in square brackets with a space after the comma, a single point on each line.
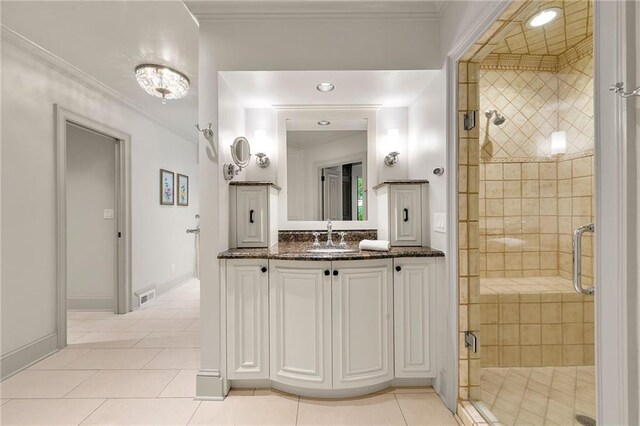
[231, 120]
[290, 45]
[91, 239]
[393, 118]
[264, 119]
[428, 147]
[29, 90]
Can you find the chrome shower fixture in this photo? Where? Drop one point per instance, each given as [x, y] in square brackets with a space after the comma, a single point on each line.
[500, 119]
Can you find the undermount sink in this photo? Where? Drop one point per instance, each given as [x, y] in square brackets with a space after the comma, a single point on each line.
[330, 250]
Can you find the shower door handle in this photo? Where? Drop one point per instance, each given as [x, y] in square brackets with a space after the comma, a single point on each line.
[577, 259]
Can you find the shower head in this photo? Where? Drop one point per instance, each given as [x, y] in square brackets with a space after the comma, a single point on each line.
[500, 119]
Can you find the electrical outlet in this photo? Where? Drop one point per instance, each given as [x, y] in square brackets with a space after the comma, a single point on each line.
[440, 223]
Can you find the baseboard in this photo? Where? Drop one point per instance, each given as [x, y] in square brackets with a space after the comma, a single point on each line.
[21, 358]
[91, 303]
[162, 287]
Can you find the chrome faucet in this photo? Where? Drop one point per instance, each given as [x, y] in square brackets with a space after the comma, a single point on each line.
[329, 234]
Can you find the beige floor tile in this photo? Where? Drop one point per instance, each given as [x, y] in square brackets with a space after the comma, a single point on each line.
[188, 313]
[176, 358]
[48, 411]
[170, 339]
[270, 409]
[89, 315]
[59, 359]
[425, 409]
[246, 392]
[144, 412]
[195, 325]
[124, 384]
[42, 383]
[171, 324]
[183, 385]
[119, 323]
[4, 401]
[73, 337]
[115, 340]
[377, 409]
[149, 312]
[114, 359]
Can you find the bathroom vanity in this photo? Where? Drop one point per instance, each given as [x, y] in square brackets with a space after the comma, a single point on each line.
[330, 324]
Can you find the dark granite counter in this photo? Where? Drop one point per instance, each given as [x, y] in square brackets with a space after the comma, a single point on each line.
[298, 251]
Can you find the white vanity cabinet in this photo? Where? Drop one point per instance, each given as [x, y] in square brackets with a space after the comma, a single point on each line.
[300, 313]
[247, 284]
[414, 288]
[402, 210]
[253, 214]
[362, 305]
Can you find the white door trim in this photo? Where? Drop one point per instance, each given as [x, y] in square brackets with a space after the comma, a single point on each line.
[612, 239]
[123, 212]
[612, 364]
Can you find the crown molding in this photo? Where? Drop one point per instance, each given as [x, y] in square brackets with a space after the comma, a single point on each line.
[40, 54]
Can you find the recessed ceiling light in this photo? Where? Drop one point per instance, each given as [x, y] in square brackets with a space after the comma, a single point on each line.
[324, 123]
[543, 17]
[325, 87]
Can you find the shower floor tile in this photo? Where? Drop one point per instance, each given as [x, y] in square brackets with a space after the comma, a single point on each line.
[539, 395]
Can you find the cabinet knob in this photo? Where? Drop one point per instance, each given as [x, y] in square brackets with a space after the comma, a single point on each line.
[335, 272]
[326, 272]
[398, 268]
[263, 269]
[251, 216]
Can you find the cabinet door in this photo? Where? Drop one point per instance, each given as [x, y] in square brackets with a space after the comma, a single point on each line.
[300, 312]
[247, 319]
[405, 215]
[414, 311]
[362, 323]
[252, 216]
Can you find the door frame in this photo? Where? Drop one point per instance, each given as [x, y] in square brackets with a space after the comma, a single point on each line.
[122, 212]
[613, 265]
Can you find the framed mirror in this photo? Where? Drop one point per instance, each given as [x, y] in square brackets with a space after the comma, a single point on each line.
[329, 168]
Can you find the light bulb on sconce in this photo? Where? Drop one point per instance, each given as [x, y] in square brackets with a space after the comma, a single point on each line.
[558, 143]
[392, 140]
[262, 160]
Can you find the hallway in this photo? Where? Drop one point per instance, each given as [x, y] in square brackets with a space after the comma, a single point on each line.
[140, 368]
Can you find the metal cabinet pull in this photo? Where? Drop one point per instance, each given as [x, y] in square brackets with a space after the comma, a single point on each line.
[250, 216]
[326, 272]
[406, 215]
[263, 269]
[335, 272]
[398, 269]
[577, 259]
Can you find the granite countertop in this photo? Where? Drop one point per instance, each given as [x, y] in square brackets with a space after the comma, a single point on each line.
[298, 251]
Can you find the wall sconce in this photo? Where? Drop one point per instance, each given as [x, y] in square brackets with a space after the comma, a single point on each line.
[262, 159]
[392, 138]
[558, 143]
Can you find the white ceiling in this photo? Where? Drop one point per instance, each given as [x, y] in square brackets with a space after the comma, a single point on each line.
[261, 89]
[107, 39]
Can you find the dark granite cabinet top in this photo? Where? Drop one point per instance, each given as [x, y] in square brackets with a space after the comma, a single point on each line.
[298, 251]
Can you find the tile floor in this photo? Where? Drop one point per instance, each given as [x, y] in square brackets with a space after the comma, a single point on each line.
[140, 368]
[539, 395]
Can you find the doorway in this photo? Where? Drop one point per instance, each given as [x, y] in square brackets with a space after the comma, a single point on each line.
[93, 218]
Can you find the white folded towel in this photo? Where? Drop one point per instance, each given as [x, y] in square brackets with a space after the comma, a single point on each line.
[375, 245]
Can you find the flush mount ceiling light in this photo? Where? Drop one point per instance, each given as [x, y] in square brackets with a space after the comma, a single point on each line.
[543, 17]
[325, 87]
[162, 82]
[324, 123]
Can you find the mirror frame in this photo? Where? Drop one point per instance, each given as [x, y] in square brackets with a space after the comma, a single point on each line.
[234, 156]
[330, 113]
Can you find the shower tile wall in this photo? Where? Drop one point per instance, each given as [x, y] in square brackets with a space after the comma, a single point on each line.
[530, 202]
